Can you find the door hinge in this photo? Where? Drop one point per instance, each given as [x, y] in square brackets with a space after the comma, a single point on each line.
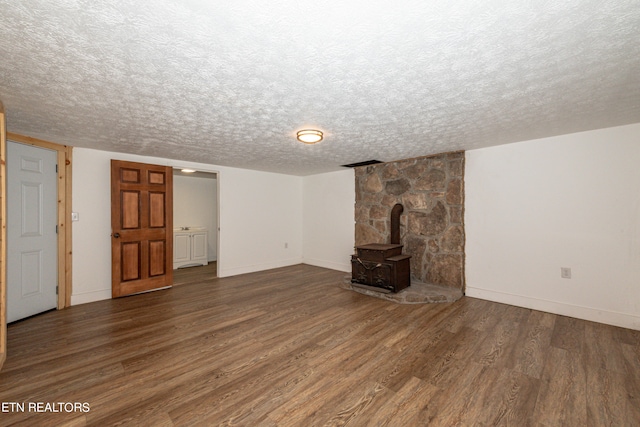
[56, 289]
[56, 228]
[56, 168]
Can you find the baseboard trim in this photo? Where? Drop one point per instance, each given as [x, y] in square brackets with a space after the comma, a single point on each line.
[228, 272]
[623, 320]
[327, 264]
[87, 297]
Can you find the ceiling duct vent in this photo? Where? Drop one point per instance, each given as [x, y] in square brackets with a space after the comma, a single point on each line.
[365, 163]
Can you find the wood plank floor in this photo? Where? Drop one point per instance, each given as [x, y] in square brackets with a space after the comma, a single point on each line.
[288, 347]
[185, 275]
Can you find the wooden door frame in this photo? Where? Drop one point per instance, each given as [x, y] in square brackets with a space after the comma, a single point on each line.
[64, 153]
[3, 238]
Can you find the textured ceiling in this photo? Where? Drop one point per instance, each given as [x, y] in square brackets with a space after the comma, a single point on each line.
[230, 82]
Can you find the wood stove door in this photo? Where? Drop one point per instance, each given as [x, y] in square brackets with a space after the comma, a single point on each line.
[359, 273]
[381, 276]
[371, 273]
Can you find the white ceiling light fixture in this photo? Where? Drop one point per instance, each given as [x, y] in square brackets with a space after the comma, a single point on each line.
[187, 170]
[309, 136]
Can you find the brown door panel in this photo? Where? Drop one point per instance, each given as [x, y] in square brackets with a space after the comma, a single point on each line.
[142, 227]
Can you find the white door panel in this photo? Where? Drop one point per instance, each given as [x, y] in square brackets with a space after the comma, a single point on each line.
[30, 268]
[32, 241]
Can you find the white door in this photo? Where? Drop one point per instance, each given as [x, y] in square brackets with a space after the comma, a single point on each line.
[32, 241]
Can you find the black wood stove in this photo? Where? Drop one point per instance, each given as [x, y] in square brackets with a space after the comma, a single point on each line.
[382, 265]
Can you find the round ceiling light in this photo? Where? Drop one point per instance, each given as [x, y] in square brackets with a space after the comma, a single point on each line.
[309, 136]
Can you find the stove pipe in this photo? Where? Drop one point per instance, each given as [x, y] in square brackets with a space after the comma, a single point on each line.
[395, 224]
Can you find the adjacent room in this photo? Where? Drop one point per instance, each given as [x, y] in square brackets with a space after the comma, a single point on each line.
[320, 213]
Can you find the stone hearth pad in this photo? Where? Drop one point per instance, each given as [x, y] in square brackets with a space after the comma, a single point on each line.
[417, 293]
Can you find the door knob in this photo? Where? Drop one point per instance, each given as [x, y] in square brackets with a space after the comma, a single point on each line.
[116, 235]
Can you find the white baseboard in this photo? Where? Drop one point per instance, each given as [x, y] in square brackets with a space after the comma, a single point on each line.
[624, 320]
[328, 264]
[86, 297]
[227, 272]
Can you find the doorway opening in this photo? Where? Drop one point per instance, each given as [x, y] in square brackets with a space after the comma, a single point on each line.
[195, 221]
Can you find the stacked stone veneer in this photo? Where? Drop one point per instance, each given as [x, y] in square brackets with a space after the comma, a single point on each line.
[431, 189]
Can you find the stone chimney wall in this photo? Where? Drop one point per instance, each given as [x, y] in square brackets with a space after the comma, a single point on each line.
[431, 189]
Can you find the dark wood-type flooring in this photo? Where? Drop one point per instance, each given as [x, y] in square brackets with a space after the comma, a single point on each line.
[288, 347]
[186, 275]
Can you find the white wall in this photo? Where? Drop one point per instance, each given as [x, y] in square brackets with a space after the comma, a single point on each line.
[195, 205]
[567, 201]
[328, 219]
[259, 212]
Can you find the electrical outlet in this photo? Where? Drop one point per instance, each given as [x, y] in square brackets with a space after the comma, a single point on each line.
[565, 272]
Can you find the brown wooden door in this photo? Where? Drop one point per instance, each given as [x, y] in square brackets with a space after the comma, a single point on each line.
[141, 227]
